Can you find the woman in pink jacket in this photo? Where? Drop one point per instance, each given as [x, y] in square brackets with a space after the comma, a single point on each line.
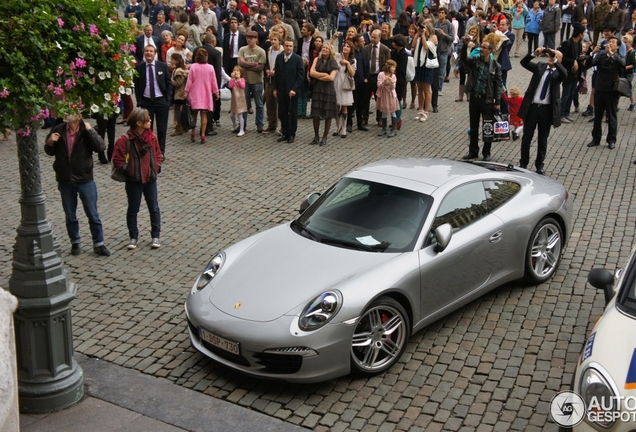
[199, 89]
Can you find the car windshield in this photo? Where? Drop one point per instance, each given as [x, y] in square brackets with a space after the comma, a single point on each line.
[627, 298]
[367, 216]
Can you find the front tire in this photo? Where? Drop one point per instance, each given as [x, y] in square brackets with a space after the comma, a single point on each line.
[543, 254]
[380, 337]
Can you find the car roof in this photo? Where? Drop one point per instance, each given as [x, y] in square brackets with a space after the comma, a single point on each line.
[431, 171]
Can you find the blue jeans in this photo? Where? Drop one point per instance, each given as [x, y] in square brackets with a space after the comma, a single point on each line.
[569, 88]
[88, 194]
[442, 58]
[255, 91]
[134, 191]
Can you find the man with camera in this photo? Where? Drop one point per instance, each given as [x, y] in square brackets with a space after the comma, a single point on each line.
[540, 106]
[608, 64]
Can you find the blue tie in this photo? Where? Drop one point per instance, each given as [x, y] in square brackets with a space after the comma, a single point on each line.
[546, 85]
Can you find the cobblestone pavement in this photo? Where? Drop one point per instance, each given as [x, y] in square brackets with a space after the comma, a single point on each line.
[492, 365]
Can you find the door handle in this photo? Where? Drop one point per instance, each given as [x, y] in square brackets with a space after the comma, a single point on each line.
[496, 236]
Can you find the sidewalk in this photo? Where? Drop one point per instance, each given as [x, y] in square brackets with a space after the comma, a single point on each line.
[120, 399]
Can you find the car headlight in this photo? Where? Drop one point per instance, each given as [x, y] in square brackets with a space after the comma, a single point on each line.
[211, 270]
[320, 311]
[599, 398]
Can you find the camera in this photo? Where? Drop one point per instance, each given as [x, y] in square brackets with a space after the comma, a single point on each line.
[548, 51]
[421, 25]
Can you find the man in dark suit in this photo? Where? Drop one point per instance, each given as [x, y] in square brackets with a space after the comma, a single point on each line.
[573, 61]
[584, 10]
[153, 88]
[233, 40]
[214, 59]
[144, 40]
[376, 55]
[288, 79]
[541, 103]
[361, 85]
[262, 28]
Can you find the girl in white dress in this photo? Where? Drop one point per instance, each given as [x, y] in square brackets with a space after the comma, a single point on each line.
[343, 85]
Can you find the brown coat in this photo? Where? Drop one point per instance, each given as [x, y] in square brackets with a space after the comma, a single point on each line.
[179, 79]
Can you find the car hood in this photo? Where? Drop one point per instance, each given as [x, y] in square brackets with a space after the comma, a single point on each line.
[283, 270]
[612, 345]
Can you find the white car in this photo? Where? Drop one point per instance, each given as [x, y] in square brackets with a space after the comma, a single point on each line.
[606, 374]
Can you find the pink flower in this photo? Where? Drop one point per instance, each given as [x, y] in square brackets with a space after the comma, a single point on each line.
[60, 22]
[69, 83]
[78, 75]
[59, 72]
[50, 87]
[75, 28]
[24, 132]
[45, 113]
[4, 93]
[72, 65]
[58, 91]
[123, 47]
[80, 63]
[82, 26]
[104, 43]
[93, 30]
[132, 48]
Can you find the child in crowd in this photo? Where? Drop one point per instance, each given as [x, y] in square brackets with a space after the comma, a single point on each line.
[387, 102]
[513, 98]
[238, 105]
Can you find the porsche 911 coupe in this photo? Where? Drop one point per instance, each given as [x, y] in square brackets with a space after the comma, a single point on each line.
[388, 249]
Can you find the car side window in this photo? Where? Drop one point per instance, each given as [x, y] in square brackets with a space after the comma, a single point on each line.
[498, 192]
[462, 206]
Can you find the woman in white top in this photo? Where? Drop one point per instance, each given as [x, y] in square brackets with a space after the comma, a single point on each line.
[342, 84]
[180, 48]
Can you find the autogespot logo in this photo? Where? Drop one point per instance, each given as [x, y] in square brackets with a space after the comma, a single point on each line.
[567, 409]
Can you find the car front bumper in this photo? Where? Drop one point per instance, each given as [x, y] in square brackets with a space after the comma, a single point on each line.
[275, 349]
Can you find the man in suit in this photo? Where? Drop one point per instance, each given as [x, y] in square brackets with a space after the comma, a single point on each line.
[153, 89]
[226, 18]
[142, 41]
[290, 73]
[214, 59]
[573, 61]
[361, 85]
[305, 48]
[541, 103]
[376, 55]
[584, 10]
[609, 63]
[262, 29]
[233, 40]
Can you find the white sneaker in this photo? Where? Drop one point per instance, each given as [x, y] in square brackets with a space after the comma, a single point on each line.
[132, 244]
[156, 244]
[241, 133]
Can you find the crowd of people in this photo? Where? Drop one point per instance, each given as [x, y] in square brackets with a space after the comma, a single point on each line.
[271, 61]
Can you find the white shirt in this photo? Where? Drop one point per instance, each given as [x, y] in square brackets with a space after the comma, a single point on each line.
[234, 48]
[537, 94]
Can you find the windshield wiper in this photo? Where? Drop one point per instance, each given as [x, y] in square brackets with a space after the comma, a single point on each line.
[299, 228]
[357, 246]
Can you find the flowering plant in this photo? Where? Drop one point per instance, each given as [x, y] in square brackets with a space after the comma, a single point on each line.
[62, 57]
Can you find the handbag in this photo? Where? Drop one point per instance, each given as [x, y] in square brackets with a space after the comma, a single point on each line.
[496, 129]
[226, 94]
[623, 87]
[349, 83]
[410, 69]
[431, 60]
[187, 120]
[120, 175]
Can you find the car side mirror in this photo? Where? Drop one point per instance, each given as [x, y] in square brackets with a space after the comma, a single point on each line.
[312, 198]
[443, 235]
[602, 279]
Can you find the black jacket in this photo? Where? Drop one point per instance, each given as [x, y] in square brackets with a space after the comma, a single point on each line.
[494, 88]
[289, 75]
[538, 69]
[571, 51]
[608, 69]
[78, 168]
[402, 60]
[162, 78]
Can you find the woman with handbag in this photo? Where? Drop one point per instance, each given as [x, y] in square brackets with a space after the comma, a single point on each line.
[138, 155]
[179, 79]
[344, 85]
[425, 55]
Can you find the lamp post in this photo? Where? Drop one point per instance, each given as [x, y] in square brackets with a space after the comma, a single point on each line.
[49, 378]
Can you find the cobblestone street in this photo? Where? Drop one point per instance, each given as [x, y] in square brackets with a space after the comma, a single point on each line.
[492, 365]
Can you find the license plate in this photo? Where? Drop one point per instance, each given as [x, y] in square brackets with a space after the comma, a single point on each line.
[219, 342]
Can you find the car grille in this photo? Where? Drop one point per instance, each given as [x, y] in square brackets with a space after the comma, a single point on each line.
[238, 359]
[280, 363]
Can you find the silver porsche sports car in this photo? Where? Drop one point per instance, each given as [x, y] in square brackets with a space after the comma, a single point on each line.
[385, 251]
